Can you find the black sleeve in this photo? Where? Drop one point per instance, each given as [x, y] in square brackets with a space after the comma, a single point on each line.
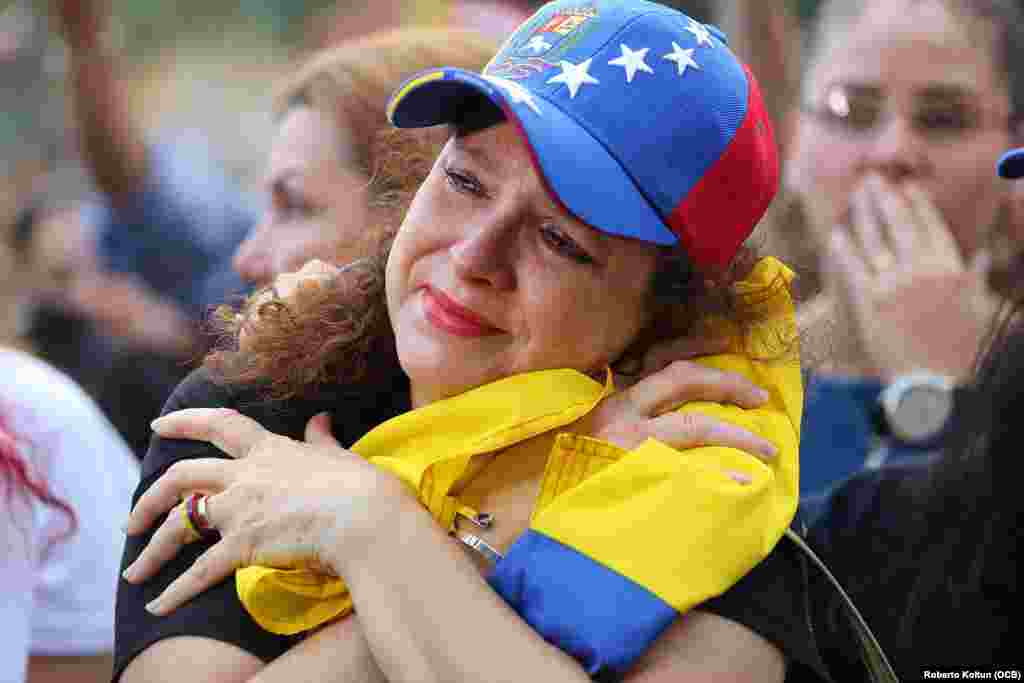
[216, 613]
[773, 601]
[863, 519]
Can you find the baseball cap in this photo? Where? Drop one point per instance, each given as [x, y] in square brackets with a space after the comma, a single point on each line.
[641, 121]
[1011, 164]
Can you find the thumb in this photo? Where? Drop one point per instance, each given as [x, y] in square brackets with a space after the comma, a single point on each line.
[318, 431]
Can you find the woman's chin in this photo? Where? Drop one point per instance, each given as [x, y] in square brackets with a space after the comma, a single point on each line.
[433, 378]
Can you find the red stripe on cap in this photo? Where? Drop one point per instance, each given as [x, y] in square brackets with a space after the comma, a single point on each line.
[723, 208]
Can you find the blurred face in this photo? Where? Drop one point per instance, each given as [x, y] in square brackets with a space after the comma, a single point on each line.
[488, 277]
[317, 201]
[910, 91]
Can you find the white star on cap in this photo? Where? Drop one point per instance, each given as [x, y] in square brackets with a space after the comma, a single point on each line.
[517, 93]
[574, 76]
[538, 44]
[682, 58]
[632, 61]
[700, 32]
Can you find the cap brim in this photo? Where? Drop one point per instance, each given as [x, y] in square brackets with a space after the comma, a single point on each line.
[1011, 165]
[575, 166]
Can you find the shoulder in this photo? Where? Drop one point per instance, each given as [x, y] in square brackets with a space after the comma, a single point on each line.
[354, 409]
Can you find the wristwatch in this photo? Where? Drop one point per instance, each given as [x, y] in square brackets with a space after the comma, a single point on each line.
[914, 408]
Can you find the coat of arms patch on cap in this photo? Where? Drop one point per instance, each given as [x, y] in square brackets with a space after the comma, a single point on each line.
[541, 42]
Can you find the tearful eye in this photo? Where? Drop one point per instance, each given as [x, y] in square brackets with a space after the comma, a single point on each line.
[463, 182]
[564, 245]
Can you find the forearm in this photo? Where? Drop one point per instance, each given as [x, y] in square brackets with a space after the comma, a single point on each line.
[336, 652]
[111, 144]
[428, 615]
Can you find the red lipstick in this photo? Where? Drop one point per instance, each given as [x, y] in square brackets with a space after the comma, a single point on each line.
[446, 314]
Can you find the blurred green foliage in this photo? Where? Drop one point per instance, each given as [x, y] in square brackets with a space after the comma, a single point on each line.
[806, 8]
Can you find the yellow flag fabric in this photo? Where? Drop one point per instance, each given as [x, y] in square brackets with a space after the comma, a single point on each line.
[671, 521]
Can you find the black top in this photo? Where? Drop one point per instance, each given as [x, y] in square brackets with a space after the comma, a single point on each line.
[867, 536]
[772, 600]
[217, 613]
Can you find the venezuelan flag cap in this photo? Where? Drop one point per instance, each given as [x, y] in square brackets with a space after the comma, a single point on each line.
[1011, 165]
[641, 121]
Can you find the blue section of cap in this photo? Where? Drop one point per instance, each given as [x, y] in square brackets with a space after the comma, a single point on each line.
[645, 138]
[572, 162]
[1011, 164]
[603, 619]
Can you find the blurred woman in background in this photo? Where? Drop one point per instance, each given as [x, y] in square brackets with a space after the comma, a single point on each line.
[336, 171]
[931, 551]
[906, 106]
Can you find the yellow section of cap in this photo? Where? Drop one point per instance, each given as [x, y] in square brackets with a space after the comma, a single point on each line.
[414, 83]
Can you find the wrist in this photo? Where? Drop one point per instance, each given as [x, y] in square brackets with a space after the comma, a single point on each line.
[392, 518]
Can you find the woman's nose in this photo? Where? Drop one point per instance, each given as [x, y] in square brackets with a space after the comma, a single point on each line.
[897, 151]
[486, 254]
[252, 261]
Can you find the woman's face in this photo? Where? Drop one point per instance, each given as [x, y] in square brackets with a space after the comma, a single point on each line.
[924, 101]
[489, 277]
[316, 202]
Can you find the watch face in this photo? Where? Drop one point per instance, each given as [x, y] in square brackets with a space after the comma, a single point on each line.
[921, 412]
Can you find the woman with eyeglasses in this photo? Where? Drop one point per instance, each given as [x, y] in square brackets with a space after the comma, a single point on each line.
[905, 107]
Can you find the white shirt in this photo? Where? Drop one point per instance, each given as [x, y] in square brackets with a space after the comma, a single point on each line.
[58, 597]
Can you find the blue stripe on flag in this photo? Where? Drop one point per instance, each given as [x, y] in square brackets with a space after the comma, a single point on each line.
[600, 617]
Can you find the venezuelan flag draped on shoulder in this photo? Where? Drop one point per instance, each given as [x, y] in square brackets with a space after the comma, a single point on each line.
[620, 542]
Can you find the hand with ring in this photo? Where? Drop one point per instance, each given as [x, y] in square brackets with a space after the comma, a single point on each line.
[266, 510]
[900, 281]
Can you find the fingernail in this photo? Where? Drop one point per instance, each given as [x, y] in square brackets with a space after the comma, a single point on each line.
[740, 478]
[762, 395]
[128, 573]
[155, 424]
[769, 451]
[154, 607]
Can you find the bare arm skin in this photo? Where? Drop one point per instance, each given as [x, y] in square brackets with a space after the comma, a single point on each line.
[112, 146]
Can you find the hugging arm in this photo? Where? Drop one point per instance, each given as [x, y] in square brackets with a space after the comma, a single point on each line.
[211, 638]
[439, 622]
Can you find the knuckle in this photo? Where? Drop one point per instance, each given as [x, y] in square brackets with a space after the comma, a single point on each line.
[695, 425]
[202, 568]
[174, 475]
[683, 370]
[251, 493]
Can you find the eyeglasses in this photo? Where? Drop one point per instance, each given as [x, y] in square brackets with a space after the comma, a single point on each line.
[940, 115]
